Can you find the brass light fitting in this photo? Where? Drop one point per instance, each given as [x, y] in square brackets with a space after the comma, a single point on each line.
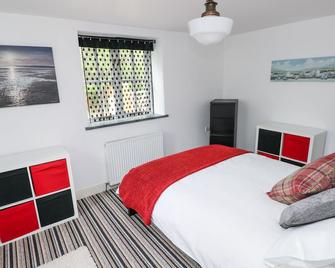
[210, 9]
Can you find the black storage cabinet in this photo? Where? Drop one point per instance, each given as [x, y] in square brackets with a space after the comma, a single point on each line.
[14, 186]
[223, 122]
[55, 207]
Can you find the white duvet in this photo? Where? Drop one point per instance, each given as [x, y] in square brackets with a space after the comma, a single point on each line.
[221, 216]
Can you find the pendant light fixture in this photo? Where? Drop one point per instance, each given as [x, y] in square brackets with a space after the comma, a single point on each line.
[211, 28]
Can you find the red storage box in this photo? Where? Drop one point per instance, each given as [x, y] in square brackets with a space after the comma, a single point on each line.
[50, 177]
[268, 155]
[296, 147]
[18, 221]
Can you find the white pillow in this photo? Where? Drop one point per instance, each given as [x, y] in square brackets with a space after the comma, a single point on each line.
[308, 246]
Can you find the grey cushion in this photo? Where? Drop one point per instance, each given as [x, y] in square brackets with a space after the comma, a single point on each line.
[311, 209]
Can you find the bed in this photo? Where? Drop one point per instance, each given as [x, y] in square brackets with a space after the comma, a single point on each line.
[220, 215]
[222, 212]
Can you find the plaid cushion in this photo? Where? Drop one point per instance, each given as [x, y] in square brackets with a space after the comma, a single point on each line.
[311, 179]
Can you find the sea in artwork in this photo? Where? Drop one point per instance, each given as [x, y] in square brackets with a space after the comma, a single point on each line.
[22, 83]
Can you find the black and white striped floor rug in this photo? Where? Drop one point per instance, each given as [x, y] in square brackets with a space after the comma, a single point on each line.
[112, 237]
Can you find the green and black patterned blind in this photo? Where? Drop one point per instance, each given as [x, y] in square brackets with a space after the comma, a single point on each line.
[118, 77]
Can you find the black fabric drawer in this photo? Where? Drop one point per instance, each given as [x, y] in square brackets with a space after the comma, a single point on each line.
[14, 186]
[292, 162]
[54, 208]
[269, 141]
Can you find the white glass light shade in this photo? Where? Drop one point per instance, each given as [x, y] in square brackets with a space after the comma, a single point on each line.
[210, 29]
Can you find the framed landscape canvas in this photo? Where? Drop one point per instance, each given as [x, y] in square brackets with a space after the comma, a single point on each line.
[306, 70]
[27, 76]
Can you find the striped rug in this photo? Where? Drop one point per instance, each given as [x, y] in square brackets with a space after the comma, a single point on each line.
[112, 237]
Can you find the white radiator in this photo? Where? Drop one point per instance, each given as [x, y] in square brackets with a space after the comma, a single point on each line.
[123, 155]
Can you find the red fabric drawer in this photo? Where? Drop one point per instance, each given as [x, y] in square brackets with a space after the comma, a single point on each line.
[50, 177]
[268, 155]
[296, 147]
[17, 221]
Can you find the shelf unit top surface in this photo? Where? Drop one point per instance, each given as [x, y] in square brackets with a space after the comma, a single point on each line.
[291, 129]
[30, 158]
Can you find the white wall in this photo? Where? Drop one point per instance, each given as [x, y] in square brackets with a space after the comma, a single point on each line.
[191, 79]
[246, 76]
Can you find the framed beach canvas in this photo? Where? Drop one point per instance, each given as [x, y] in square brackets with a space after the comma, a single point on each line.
[320, 69]
[27, 76]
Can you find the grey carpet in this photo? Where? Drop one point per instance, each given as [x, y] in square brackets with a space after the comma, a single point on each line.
[112, 237]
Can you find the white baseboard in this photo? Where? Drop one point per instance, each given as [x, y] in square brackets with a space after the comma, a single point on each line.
[86, 192]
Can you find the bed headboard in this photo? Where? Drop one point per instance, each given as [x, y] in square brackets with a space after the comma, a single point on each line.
[125, 154]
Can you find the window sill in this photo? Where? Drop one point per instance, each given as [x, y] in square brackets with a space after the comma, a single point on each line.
[125, 121]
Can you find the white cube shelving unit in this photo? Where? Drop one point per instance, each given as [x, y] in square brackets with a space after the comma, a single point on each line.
[36, 192]
[289, 143]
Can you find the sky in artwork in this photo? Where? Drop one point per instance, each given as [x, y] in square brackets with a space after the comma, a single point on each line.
[303, 64]
[19, 56]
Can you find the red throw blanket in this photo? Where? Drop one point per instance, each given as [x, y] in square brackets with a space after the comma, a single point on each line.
[143, 185]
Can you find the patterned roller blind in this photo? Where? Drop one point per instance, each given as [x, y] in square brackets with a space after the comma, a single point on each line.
[118, 82]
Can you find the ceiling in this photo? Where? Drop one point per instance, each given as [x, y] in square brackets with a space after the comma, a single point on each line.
[174, 14]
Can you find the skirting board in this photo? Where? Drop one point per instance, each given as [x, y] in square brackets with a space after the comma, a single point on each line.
[86, 192]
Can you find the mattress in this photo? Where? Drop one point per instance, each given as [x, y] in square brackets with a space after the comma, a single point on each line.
[221, 215]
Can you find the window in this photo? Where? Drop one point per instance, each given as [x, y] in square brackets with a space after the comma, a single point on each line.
[118, 78]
